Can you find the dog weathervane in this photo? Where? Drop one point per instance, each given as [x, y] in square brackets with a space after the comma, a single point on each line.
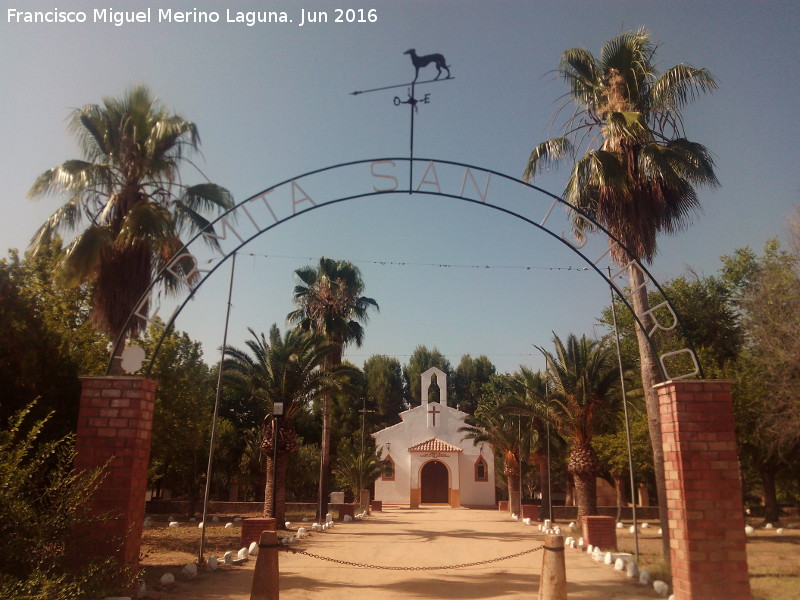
[419, 62]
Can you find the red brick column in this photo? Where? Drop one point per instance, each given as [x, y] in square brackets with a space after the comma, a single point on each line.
[704, 491]
[253, 528]
[114, 426]
[600, 532]
[344, 510]
[530, 511]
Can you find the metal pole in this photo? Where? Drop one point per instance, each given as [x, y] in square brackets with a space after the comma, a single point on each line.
[413, 105]
[549, 484]
[519, 440]
[627, 423]
[277, 412]
[361, 454]
[364, 412]
[216, 411]
[274, 465]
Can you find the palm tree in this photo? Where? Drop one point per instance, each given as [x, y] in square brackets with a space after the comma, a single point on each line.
[530, 389]
[356, 468]
[329, 302]
[128, 189]
[637, 174]
[583, 373]
[280, 369]
[496, 422]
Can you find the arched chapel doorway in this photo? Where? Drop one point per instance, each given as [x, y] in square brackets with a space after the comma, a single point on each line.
[435, 483]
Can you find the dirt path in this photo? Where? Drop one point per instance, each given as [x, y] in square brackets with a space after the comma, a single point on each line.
[418, 537]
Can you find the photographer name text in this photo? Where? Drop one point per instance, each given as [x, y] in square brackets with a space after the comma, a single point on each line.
[121, 18]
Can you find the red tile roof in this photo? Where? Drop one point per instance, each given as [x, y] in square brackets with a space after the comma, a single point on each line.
[434, 445]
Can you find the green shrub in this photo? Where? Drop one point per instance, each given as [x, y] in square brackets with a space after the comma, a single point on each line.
[45, 518]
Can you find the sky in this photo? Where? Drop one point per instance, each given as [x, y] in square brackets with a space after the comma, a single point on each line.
[273, 101]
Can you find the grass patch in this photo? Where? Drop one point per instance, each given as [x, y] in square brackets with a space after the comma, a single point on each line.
[773, 560]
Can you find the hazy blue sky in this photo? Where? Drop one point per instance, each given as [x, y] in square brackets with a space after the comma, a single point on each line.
[273, 101]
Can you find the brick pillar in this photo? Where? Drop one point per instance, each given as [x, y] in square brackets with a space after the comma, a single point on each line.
[114, 426]
[704, 491]
[600, 532]
[253, 528]
[530, 511]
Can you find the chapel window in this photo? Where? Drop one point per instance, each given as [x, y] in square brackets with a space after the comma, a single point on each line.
[481, 470]
[387, 474]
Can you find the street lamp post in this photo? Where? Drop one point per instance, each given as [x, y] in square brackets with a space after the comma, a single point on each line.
[277, 412]
[363, 412]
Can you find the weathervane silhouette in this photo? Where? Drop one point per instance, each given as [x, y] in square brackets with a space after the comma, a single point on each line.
[419, 62]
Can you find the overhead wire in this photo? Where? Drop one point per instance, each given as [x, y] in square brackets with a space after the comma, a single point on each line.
[397, 263]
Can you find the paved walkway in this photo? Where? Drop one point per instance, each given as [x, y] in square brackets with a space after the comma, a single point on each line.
[420, 537]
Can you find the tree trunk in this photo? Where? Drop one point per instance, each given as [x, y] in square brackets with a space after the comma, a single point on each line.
[511, 471]
[540, 459]
[514, 504]
[586, 494]
[325, 450]
[569, 486]
[651, 375]
[583, 466]
[619, 485]
[280, 490]
[325, 459]
[770, 497]
[269, 488]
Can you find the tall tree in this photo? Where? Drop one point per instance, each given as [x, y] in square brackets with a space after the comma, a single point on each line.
[128, 188]
[357, 466]
[530, 389]
[384, 377]
[470, 375]
[767, 296]
[32, 364]
[582, 373]
[346, 407]
[637, 174]
[771, 307]
[612, 450]
[64, 311]
[329, 302]
[182, 414]
[282, 369]
[496, 421]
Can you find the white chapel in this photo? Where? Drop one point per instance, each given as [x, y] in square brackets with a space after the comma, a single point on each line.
[427, 462]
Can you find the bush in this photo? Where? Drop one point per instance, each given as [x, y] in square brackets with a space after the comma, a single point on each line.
[44, 518]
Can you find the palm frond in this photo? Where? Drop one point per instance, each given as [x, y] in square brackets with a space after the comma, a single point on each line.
[147, 222]
[545, 155]
[578, 68]
[207, 197]
[696, 164]
[680, 85]
[67, 217]
[83, 257]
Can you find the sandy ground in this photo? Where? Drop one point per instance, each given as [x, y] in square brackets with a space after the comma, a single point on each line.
[429, 536]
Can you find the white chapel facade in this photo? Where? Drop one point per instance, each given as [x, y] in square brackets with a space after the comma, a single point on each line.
[427, 462]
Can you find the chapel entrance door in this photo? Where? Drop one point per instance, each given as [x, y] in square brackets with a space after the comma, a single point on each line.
[435, 483]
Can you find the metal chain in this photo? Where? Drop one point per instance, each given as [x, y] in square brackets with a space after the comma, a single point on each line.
[416, 568]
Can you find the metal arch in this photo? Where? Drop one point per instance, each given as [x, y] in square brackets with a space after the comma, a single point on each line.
[409, 190]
